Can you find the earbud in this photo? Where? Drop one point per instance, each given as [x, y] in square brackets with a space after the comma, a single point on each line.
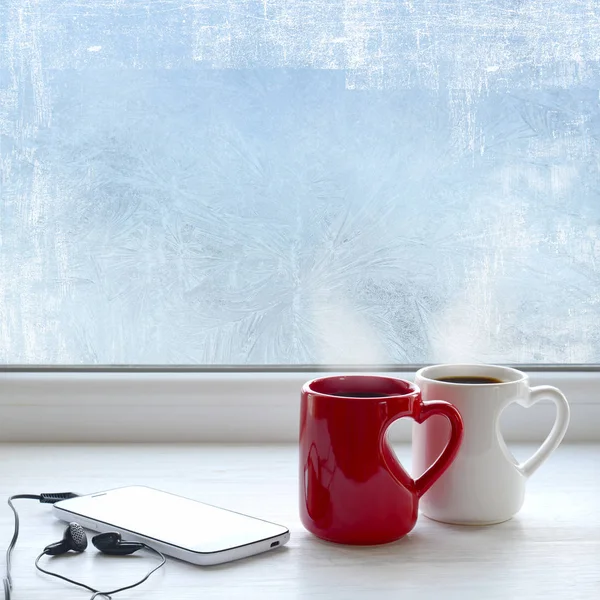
[108, 543]
[74, 539]
[111, 543]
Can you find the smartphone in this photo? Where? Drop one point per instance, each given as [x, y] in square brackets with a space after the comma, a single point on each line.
[179, 527]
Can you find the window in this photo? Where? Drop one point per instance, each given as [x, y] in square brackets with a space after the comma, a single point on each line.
[287, 184]
[270, 182]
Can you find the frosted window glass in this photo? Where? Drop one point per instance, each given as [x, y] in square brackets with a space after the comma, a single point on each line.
[299, 182]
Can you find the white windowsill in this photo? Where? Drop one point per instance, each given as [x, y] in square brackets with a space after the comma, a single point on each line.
[222, 407]
[549, 550]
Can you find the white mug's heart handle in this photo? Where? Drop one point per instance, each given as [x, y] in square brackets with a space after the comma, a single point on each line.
[561, 423]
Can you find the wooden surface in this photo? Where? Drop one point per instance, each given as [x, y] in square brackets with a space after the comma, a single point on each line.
[550, 550]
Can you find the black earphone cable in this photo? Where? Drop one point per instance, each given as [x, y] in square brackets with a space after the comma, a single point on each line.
[109, 592]
[8, 579]
[50, 498]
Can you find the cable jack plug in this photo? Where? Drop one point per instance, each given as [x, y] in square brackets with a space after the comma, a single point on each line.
[53, 498]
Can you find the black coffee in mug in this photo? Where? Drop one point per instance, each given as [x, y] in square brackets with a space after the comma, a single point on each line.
[468, 379]
[361, 395]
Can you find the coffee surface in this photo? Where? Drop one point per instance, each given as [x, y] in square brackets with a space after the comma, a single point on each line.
[468, 379]
[361, 395]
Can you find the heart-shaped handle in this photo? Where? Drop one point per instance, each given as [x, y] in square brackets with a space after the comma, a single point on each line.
[444, 460]
[559, 428]
[423, 411]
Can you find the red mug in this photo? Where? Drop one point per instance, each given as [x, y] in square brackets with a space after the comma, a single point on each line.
[353, 490]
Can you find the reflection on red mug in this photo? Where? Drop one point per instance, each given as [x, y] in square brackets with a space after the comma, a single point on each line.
[353, 490]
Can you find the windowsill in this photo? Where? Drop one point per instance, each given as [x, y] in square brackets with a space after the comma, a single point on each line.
[248, 407]
[550, 549]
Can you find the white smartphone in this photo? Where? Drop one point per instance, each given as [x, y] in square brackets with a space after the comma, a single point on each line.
[180, 527]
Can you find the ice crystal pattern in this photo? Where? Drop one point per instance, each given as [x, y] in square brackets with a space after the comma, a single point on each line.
[276, 182]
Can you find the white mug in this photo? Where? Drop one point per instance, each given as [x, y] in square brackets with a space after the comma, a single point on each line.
[484, 484]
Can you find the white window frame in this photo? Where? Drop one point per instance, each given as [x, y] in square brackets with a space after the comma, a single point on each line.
[243, 406]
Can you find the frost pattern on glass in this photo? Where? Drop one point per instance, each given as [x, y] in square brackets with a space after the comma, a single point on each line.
[278, 182]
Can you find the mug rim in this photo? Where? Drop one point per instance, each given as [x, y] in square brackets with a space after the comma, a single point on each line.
[411, 387]
[476, 370]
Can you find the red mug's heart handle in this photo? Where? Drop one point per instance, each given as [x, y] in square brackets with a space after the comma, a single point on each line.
[424, 410]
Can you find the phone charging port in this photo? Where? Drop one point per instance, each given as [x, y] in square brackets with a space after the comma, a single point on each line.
[274, 544]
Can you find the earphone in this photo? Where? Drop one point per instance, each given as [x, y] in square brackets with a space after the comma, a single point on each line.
[75, 540]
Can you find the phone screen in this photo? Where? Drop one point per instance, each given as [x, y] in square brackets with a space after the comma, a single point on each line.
[172, 519]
